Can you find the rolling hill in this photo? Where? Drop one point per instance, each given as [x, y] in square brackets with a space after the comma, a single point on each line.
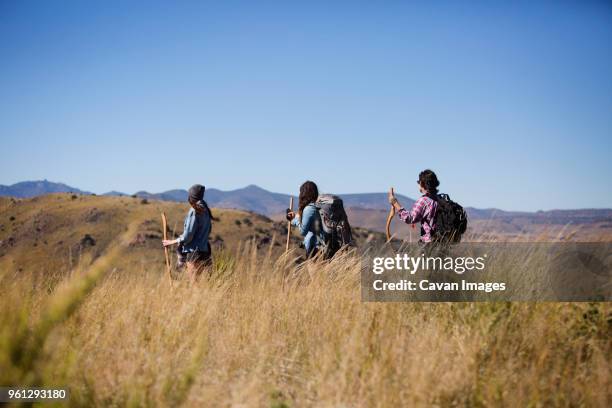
[57, 233]
[369, 210]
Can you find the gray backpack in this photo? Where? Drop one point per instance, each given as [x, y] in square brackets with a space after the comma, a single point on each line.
[335, 228]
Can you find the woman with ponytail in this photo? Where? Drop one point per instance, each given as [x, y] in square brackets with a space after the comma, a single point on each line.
[193, 245]
[307, 219]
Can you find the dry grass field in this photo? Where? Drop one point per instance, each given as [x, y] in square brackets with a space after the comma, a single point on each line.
[263, 331]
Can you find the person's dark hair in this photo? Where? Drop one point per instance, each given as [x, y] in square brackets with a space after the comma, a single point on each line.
[429, 181]
[196, 199]
[196, 193]
[308, 194]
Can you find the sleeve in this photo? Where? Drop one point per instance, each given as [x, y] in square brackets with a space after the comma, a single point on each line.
[415, 214]
[189, 228]
[308, 217]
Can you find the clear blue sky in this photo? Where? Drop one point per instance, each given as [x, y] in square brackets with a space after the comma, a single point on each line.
[510, 103]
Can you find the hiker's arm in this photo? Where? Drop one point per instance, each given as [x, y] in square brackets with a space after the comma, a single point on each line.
[393, 201]
[169, 242]
[297, 222]
[294, 219]
[305, 223]
[415, 214]
[189, 230]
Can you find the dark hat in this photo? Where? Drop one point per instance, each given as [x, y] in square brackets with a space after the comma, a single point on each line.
[196, 192]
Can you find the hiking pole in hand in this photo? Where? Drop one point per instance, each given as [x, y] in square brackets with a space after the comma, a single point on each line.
[389, 218]
[289, 225]
[165, 232]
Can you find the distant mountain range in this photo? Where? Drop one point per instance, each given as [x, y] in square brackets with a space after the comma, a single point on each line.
[258, 200]
[251, 198]
[27, 189]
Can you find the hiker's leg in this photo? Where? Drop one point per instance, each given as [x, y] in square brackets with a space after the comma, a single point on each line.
[208, 263]
[181, 257]
[437, 250]
[192, 271]
[181, 263]
[193, 266]
[426, 248]
[207, 257]
[313, 253]
[199, 261]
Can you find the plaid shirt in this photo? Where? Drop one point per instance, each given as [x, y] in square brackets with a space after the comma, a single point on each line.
[423, 211]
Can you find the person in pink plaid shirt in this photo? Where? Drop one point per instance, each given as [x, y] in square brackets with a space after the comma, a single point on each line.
[424, 209]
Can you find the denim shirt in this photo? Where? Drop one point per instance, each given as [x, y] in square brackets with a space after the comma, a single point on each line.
[311, 220]
[195, 233]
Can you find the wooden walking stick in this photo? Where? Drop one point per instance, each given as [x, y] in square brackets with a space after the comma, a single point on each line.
[289, 225]
[389, 218]
[165, 232]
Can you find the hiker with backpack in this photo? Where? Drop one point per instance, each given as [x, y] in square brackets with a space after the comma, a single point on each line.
[307, 218]
[194, 249]
[442, 220]
[321, 220]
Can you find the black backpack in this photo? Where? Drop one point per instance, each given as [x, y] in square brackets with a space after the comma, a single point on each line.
[334, 225]
[451, 220]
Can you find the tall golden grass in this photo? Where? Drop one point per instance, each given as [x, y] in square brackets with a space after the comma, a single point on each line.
[266, 332]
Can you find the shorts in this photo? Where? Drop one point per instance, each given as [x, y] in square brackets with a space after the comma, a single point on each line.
[199, 258]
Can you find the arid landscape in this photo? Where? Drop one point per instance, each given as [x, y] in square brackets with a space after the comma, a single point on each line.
[85, 303]
[369, 211]
[136, 135]
[56, 233]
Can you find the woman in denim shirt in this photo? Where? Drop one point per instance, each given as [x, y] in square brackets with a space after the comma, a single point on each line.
[193, 246]
[307, 219]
